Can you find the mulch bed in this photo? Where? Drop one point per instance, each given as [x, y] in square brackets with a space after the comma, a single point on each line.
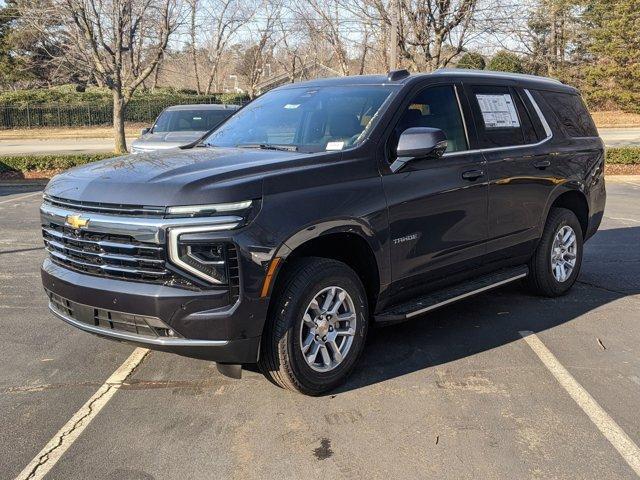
[621, 169]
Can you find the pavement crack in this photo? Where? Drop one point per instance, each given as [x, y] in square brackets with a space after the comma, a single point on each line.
[44, 458]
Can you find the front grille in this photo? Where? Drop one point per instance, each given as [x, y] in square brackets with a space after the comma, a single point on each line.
[107, 208]
[110, 320]
[233, 273]
[116, 256]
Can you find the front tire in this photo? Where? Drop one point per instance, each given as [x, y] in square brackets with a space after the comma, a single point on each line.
[316, 327]
[555, 265]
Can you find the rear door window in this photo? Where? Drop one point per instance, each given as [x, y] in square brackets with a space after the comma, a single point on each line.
[572, 113]
[500, 117]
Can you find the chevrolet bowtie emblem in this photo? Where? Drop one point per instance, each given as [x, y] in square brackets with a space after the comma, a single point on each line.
[76, 221]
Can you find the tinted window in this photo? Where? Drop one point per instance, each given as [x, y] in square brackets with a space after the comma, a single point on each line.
[189, 120]
[533, 114]
[307, 119]
[436, 107]
[572, 113]
[528, 130]
[498, 117]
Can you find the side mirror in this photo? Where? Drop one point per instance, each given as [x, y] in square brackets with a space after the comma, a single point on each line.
[144, 131]
[419, 143]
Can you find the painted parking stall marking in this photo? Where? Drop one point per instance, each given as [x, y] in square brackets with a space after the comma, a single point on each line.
[17, 199]
[627, 449]
[69, 433]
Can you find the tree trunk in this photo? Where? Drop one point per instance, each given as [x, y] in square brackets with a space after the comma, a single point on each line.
[119, 106]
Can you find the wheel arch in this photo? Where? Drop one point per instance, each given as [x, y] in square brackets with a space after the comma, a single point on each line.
[571, 197]
[349, 242]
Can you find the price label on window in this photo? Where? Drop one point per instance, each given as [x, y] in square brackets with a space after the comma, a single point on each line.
[498, 111]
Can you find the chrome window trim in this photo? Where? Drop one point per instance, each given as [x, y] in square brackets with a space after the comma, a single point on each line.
[547, 130]
[132, 337]
[174, 256]
[464, 121]
[545, 125]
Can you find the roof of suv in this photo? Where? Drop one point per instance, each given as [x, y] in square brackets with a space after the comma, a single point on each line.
[403, 77]
[203, 106]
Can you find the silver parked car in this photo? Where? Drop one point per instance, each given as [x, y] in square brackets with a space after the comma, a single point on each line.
[180, 125]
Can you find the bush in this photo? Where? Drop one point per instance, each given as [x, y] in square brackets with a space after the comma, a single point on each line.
[472, 60]
[60, 107]
[68, 95]
[48, 162]
[623, 155]
[506, 62]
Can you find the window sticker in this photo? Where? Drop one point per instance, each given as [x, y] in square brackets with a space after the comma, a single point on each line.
[335, 146]
[291, 106]
[498, 111]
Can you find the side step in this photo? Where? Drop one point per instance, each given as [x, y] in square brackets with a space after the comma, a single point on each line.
[440, 298]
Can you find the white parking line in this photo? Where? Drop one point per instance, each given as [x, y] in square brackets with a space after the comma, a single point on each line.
[622, 219]
[607, 426]
[69, 433]
[15, 199]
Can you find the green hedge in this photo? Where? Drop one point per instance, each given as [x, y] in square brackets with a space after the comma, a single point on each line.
[64, 107]
[623, 155]
[67, 94]
[620, 155]
[48, 162]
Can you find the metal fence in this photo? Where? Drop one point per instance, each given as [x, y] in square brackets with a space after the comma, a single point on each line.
[86, 115]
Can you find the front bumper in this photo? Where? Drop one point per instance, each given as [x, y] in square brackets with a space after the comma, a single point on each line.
[201, 333]
[222, 323]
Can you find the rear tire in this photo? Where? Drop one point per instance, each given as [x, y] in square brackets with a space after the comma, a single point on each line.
[309, 314]
[555, 265]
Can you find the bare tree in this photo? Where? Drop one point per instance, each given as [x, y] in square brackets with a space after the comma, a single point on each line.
[430, 32]
[253, 59]
[119, 42]
[227, 17]
[325, 20]
[193, 27]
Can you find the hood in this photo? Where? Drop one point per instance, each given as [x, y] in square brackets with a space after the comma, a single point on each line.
[162, 140]
[175, 177]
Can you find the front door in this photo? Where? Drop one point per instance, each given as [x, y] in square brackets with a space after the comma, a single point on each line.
[437, 207]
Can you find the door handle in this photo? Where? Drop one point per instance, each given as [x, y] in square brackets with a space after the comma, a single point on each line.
[542, 164]
[472, 175]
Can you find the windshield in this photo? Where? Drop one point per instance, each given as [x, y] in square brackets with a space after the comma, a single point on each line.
[190, 120]
[305, 119]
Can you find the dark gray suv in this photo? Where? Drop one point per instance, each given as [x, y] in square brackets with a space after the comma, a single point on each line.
[322, 208]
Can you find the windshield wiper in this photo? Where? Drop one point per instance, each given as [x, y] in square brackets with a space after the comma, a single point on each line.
[269, 146]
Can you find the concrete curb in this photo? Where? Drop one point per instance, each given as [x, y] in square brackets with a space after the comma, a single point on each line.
[24, 183]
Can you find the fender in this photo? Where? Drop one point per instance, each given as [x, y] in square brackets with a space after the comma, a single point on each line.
[561, 188]
[353, 226]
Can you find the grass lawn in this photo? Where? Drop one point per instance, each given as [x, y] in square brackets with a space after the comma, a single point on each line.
[616, 119]
[131, 131]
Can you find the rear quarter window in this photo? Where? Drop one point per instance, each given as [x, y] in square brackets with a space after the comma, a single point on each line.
[572, 114]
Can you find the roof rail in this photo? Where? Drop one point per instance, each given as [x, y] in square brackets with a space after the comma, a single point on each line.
[397, 74]
[491, 73]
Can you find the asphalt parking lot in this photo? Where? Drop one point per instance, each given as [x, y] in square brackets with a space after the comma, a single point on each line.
[454, 394]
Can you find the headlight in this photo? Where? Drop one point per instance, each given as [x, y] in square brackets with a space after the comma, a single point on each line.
[207, 260]
[196, 210]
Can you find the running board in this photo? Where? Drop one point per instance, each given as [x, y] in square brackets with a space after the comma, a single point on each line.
[440, 298]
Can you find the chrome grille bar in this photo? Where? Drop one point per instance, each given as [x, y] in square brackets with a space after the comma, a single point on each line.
[100, 243]
[107, 268]
[107, 256]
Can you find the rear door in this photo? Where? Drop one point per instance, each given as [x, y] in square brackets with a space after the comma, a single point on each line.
[437, 207]
[512, 136]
